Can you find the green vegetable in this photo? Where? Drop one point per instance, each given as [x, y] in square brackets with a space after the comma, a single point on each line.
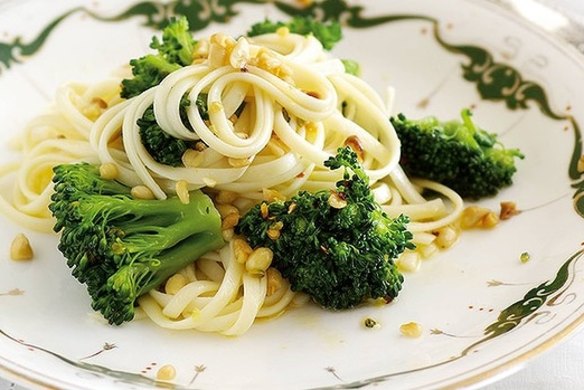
[337, 246]
[458, 154]
[163, 147]
[121, 247]
[174, 51]
[327, 33]
[352, 67]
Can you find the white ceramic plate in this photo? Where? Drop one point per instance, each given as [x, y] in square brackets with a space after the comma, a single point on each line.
[483, 311]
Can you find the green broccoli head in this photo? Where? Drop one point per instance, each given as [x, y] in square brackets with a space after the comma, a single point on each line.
[456, 153]
[337, 246]
[163, 147]
[177, 43]
[174, 51]
[122, 247]
[329, 34]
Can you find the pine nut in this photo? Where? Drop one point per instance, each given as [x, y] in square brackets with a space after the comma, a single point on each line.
[274, 230]
[166, 373]
[228, 234]
[20, 248]
[230, 221]
[411, 329]
[175, 283]
[272, 195]
[355, 144]
[225, 197]
[409, 262]
[445, 237]
[192, 159]
[182, 191]
[226, 209]
[336, 201]
[508, 210]
[142, 192]
[108, 171]
[241, 250]
[274, 281]
[264, 210]
[259, 261]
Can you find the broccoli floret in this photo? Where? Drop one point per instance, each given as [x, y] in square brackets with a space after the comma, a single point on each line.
[122, 247]
[337, 246]
[163, 147]
[174, 51]
[177, 43]
[458, 154]
[327, 33]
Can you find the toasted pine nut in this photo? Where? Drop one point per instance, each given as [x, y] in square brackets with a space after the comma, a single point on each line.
[226, 209]
[264, 210]
[411, 329]
[490, 220]
[508, 210]
[274, 230]
[166, 373]
[192, 158]
[471, 216]
[142, 192]
[230, 221]
[241, 250]
[200, 146]
[446, 237]
[174, 284]
[427, 250]
[274, 281]
[355, 144]
[272, 195]
[336, 201]
[259, 261]
[409, 262]
[108, 171]
[225, 197]
[292, 207]
[20, 248]
[228, 234]
[182, 191]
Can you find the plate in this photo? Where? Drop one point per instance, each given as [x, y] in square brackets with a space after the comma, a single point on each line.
[483, 310]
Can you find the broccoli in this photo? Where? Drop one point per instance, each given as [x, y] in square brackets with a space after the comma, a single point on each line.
[458, 154]
[328, 34]
[336, 246]
[174, 51]
[121, 247]
[163, 147]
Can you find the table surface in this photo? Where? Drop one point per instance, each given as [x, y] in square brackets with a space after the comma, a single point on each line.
[558, 369]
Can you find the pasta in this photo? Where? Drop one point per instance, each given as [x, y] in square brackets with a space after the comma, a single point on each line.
[278, 106]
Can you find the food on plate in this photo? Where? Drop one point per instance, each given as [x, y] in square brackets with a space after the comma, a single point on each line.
[335, 245]
[20, 248]
[228, 178]
[458, 154]
[122, 247]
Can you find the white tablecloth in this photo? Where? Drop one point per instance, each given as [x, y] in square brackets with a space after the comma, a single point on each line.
[558, 369]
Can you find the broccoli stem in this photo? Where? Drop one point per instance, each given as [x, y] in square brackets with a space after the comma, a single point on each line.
[181, 256]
